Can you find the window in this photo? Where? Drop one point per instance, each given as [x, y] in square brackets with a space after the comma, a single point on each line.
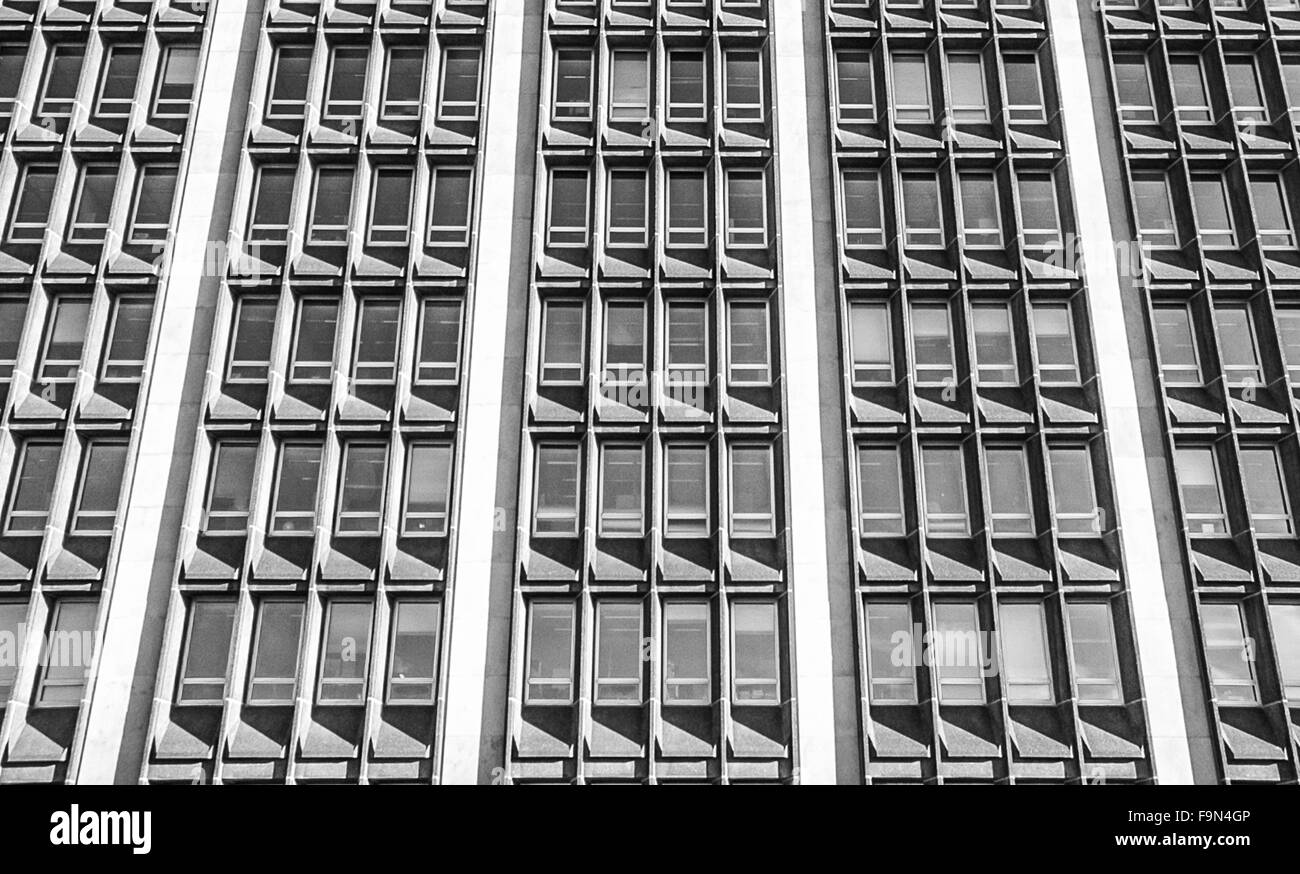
[891, 680]
[176, 82]
[753, 503]
[980, 212]
[403, 83]
[864, 221]
[748, 343]
[361, 488]
[854, 89]
[687, 209]
[331, 209]
[155, 191]
[1266, 499]
[230, 488]
[1197, 471]
[970, 102]
[1286, 638]
[549, 677]
[686, 86]
[277, 637]
[31, 486]
[871, 337]
[13, 313]
[32, 201]
[272, 195]
[625, 343]
[618, 652]
[1291, 77]
[571, 97]
[1024, 85]
[1058, 362]
[1238, 352]
[1026, 661]
[686, 490]
[1213, 220]
[99, 488]
[458, 97]
[428, 485]
[1176, 342]
[742, 85]
[687, 662]
[92, 203]
[65, 338]
[958, 654]
[375, 355]
[1191, 101]
[13, 56]
[250, 342]
[755, 657]
[1074, 492]
[1155, 211]
[567, 222]
[563, 352]
[117, 82]
[206, 661]
[1039, 211]
[413, 657]
[746, 209]
[345, 653]
[555, 502]
[288, 90]
[450, 204]
[943, 474]
[911, 89]
[1095, 655]
[880, 491]
[62, 72]
[1229, 653]
[390, 207]
[68, 653]
[1272, 216]
[437, 360]
[1010, 505]
[312, 359]
[622, 486]
[932, 349]
[687, 352]
[1133, 88]
[293, 510]
[1288, 330]
[629, 86]
[1243, 89]
[128, 338]
[995, 345]
[13, 631]
[922, 217]
[346, 83]
[628, 207]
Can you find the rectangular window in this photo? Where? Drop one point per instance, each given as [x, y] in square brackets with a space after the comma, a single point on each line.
[854, 88]
[1286, 639]
[151, 215]
[458, 95]
[622, 489]
[753, 491]
[1272, 213]
[1244, 89]
[628, 207]
[922, 216]
[62, 73]
[567, 220]
[100, 486]
[686, 101]
[1266, 499]
[749, 360]
[230, 488]
[1229, 654]
[428, 485]
[995, 345]
[1074, 492]
[345, 653]
[564, 357]
[312, 359]
[970, 102]
[205, 665]
[403, 83]
[1026, 660]
[864, 219]
[571, 90]
[687, 352]
[1288, 330]
[891, 679]
[176, 80]
[31, 486]
[13, 314]
[1176, 343]
[625, 343]
[346, 83]
[1010, 506]
[980, 213]
[629, 86]
[65, 339]
[1095, 654]
[250, 341]
[287, 96]
[556, 491]
[1024, 84]
[1039, 211]
[69, 651]
[687, 209]
[959, 654]
[413, 655]
[361, 488]
[911, 77]
[390, 207]
[943, 474]
[742, 85]
[1155, 211]
[934, 362]
[1191, 101]
[687, 653]
[13, 630]
[449, 206]
[880, 491]
[331, 211]
[297, 479]
[871, 338]
[272, 197]
[277, 638]
[1133, 89]
[1058, 360]
[128, 339]
[686, 490]
[375, 348]
[437, 360]
[1238, 351]
[1213, 218]
[746, 209]
[618, 652]
[117, 82]
[31, 209]
[755, 657]
[549, 677]
[1197, 471]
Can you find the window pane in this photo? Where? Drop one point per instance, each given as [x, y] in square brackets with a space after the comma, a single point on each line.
[1039, 211]
[1237, 349]
[155, 193]
[32, 486]
[756, 666]
[1189, 88]
[439, 356]
[1024, 88]
[94, 200]
[979, 210]
[332, 205]
[271, 203]
[1265, 494]
[176, 82]
[101, 485]
[550, 654]
[969, 100]
[686, 498]
[618, 653]
[460, 83]
[687, 678]
[892, 676]
[944, 475]
[347, 82]
[289, 82]
[922, 218]
[13, 633]
[752, 500]
[390, 211]
[1096, 659]
[428, 483]
[1133, 87]
[69, 650]
[958, 654]
[207, 654]
[1026, 666]
[746, 209]
[62, 72]
[853, 86]
[250, 347]
[361, 493]
[13, 313]
[1213, 220]
[32, 205]
[1058, 362]
[313, 352]
[1286, 638]
[64, 340]
[404, 82]
[932, 344]
[295, 498]
[1073, 492]
[687, 351]
[449, 211]
[686, 209]
[128, 339]
[995, 346]
[622, 483]
[911, 88]
[273, 678]
[231, 487]
[555, 509]
[747, 343]
[1155, 216]
[743, 85]
[1009, 499]
[686, 86]
[345, 653]
[567, 223]
[1228, 654]
[872, 342]
[413, 665]
[629, 86]
[863, 218]
[1198, 484]
[1176, 343]
[563, 360]
[880, 490]
[378, 321]
[572, 84]
[627, 220]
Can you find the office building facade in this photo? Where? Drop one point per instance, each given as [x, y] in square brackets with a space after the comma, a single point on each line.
[648, 391]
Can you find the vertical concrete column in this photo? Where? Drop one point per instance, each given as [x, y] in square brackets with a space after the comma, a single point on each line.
[127, 656]
[476, 671]
[810, 590]
[1115, 364]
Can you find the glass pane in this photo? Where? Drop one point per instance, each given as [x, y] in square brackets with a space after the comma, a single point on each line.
[618, 653]
[274, 675]
[345, 652]
[1096, 664]
[889, 653]
[100, 487]
[756, 669]
[413, 669]
[295, 501]
[1009, 499]
[550, 653]
[428, 483]
[232, 486]
[687, 678]
[944, 475]
[1024, 650]
[207, 657]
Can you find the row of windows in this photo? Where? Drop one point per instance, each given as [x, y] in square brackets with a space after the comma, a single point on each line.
[344, 660]
[94, 504]
[1219, 5]
[65, 657]
[945, 504]
[1180, 344]
[1259, 470]
[1160, 196]
[64, 338]
[92, 200]
[622, 658]
[686, 472]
